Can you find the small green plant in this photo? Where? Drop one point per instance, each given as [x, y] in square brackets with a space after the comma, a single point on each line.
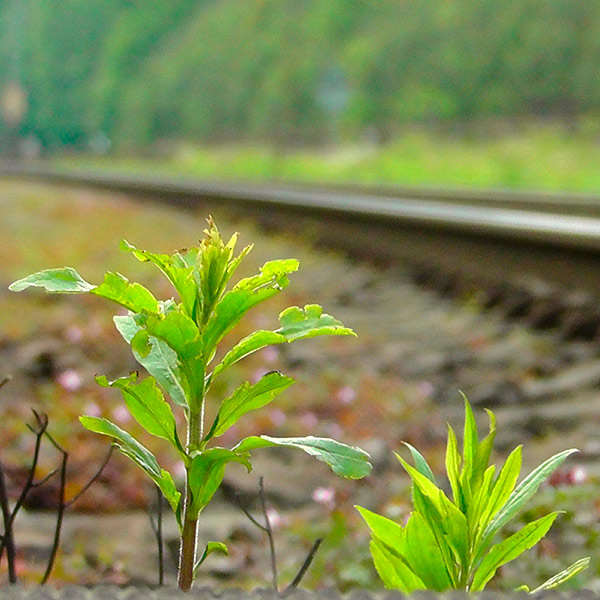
[176, 342]
[449, 544]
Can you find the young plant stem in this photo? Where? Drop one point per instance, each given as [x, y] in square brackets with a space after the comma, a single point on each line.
[7, 536]
[187, 553]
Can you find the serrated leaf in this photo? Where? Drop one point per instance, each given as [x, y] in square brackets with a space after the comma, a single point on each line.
[563, 576]
[346, 461]
[55, 281]
[510, 548]
[148, 407]
[300, 323]
[175, 269]
[159, 360]
[206, 474]
[271, 273]
[133, 296]
[247, 398]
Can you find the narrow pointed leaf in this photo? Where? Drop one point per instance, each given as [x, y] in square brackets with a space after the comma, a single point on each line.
[510, 548]
[421, 463]
[133, 296]
[389, 532]
[523, 492]
[56, 281]
[271, 273]
[453, 468]
[346, 461]
[247, 398]
[423, 554]
[564, 575]
[394, 573]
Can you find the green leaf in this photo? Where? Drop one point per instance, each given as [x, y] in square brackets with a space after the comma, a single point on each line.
[175, 269]
[470, 450]
[563, 576]
[389, 532]
[251, 343]
[210, 548]
[523, 492]
[297, 323]
[148, 407]
[139, 454]
[57, 281]
[504, 485]
[453, 468]
[452, 522]
[133, 296]
[486, 445]
[246, 398]
[272, 273]
[159, 360]
[206, 474]
[136, 451]
[421, 463]
[423, 554]
[394, 573]
[346, 461]
[510, 548]
[229, 311]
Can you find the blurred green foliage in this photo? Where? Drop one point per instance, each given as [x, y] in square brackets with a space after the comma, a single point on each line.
[291, 70]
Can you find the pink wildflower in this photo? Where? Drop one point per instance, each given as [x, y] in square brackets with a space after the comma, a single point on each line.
[270, 354]
[275, 519]
[70, 380]
[324, 496]
[309, 420]
[346, 395]
[92, 410]
[120, 414]
[277, 417]
[73, 334]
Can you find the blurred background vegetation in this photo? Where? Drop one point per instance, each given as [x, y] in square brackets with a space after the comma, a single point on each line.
[163, 78]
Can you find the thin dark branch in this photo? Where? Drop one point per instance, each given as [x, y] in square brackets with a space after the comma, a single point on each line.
[5, 380]
[61, 508]
[42, 421]
[157, 528]
[87, 486]
[305, 565]
[269, 531]
[44, 480]
[247, 513]
[7, 538]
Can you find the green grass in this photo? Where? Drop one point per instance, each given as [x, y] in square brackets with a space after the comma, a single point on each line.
[534, 157]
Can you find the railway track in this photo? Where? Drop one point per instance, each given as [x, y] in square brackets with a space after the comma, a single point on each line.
[535, 265]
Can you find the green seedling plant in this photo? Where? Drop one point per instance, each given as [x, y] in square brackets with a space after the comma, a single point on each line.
[452, 544]
[176, 341]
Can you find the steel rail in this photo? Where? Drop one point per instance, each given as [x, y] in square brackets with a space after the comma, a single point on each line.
[551, 220]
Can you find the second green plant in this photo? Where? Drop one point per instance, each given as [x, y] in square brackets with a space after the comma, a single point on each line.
[176, 341]
[451, 543]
